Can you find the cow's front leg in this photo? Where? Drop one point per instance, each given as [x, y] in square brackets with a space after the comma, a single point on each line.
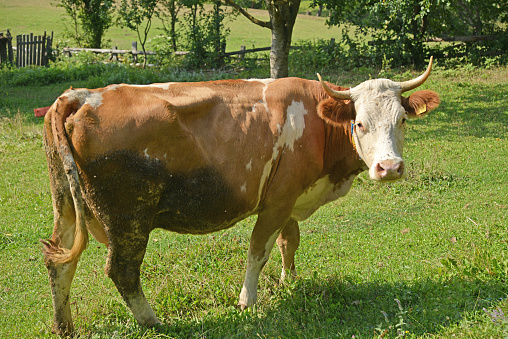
[263, 237]
[288, 242]
[125, 255]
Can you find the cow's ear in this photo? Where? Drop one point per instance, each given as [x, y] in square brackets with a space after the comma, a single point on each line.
[336, 112]
[420, 103]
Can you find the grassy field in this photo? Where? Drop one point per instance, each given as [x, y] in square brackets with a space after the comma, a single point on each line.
[422, 258]
[37, 16]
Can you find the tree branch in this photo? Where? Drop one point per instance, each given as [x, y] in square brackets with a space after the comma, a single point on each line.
[266, 24]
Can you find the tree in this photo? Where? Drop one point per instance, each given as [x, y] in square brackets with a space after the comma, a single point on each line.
[137, 15]
[282, 20]
[205, 34]
[170, 9]
[94, 17]
[406, 24]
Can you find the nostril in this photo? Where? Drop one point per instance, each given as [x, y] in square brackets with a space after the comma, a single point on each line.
[380, 168]
[400, 168]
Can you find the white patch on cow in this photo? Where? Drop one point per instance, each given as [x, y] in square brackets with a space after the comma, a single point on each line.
[248, 167]
[114, 87]
[295, 123]
[161, 85]
[266, 81]
[265, 103]
[322, 192]
[288, 134]
[94, 100]
[84, 96]
[243, 188]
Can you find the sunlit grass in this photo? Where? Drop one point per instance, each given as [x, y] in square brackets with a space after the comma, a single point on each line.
[357, 255]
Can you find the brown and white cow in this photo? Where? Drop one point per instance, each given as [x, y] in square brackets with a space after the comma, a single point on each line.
[198, 157]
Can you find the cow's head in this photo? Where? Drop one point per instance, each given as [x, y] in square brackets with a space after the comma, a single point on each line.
[378, 114]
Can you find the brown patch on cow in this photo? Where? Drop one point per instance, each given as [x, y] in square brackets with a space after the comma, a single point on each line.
[420, 103]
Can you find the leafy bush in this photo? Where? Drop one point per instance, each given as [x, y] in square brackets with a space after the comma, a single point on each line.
[100, 74]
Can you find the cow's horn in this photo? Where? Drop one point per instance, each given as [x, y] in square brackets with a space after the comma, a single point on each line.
[343, 95]
[412, 84]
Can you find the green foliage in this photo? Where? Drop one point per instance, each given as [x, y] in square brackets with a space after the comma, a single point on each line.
[399, 27]
[206, 34]
[169, 10]
[323, 56]
[137, 15]
[90, 19]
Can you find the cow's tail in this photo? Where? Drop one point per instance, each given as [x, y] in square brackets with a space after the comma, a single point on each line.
[58, 113]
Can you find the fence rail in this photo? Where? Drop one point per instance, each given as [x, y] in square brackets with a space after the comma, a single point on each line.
[115, 51]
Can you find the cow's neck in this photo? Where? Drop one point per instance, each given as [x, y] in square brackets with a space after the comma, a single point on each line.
[341, 160]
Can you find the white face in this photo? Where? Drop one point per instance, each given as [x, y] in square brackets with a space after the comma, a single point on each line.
[379, 128]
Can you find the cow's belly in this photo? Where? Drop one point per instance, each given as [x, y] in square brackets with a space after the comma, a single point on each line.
[124, 187]
[322, 192]
[199, 202]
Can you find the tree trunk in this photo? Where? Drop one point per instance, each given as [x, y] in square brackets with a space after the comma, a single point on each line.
[282, 16]
[279, 53]
[282, 19]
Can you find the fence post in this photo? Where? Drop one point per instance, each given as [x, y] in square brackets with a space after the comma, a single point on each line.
[3, 48]
[42, 56]
[9, 47]
[134, 51]
[19, 51]
[47, 49]
[30, 48]
[242, 55]
[114, 56]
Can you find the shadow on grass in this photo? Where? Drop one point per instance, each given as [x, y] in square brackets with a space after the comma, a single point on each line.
[339, 307]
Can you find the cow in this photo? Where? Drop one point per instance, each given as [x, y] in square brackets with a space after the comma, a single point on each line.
[196, 158]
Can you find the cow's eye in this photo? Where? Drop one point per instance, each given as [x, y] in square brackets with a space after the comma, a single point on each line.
[359, 125]
[403, 121]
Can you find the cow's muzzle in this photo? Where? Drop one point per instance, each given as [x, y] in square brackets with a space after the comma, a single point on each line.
[388, 170]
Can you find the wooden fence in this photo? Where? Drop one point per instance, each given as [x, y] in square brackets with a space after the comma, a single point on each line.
[33, 50]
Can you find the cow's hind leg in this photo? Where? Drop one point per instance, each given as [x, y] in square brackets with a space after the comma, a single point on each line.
[288, 242]
[61, 275]
[125, 254]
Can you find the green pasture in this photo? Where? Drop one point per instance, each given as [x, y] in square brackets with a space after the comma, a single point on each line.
[37, 16]
[423, 258]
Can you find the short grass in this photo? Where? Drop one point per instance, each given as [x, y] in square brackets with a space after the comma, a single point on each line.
[425, 257]
[37, 16]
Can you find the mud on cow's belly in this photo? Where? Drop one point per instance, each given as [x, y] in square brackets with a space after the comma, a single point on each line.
[127, 186]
